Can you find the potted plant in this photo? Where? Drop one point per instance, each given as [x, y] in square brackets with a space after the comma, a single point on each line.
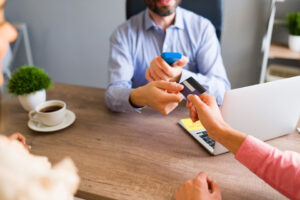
[29, 84]
[294, 30]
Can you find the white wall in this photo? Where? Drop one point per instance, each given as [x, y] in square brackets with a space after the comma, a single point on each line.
[70, 37]
[244, 26]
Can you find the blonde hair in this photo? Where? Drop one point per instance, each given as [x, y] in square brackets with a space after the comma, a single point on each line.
[24, 176]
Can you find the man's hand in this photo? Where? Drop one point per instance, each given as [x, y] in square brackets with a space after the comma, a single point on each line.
[162, 96]
[201, 188]
[161, 70]
[20, 138]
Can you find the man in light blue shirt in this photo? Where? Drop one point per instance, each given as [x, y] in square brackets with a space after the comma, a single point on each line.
[139, 77]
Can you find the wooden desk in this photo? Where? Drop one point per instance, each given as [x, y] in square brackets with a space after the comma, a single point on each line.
[135, 156]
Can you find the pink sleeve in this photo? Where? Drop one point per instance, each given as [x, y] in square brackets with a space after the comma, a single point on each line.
[280, 169]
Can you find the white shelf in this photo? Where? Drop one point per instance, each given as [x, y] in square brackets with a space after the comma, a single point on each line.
[274, 50]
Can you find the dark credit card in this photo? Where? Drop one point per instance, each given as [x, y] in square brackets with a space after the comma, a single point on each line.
[191, 86]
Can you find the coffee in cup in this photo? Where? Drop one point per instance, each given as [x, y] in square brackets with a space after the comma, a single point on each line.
[50, 109]
[49, 113]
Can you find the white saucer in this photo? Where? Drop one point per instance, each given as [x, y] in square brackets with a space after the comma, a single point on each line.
[39, 127]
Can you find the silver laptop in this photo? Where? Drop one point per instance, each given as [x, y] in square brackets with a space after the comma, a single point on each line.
[265, 111]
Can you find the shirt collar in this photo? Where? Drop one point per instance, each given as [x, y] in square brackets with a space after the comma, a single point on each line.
[149, 23]
[179, 18]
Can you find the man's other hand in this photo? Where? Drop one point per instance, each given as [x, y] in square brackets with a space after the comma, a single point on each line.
[201, 188]
[161, 70]
[162, 96]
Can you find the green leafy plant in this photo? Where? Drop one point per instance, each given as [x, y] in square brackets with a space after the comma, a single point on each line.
[28, 79]
[294, 23]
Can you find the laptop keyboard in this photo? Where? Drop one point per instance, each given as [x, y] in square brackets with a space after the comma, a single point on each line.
[208, 140]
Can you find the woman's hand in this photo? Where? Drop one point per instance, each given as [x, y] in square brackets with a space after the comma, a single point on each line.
[205, 109]
[20, 138]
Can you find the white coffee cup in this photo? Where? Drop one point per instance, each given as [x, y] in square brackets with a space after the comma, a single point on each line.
[49, 113]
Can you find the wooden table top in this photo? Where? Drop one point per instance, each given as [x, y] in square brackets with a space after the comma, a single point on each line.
[134, 156]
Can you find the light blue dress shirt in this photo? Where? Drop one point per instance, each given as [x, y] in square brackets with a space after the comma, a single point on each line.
[136, 42]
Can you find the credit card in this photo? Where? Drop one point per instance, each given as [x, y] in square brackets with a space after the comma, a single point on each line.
[171, 57]
[191, 86]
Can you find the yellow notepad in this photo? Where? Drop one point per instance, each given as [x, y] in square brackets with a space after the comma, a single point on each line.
[190, 125]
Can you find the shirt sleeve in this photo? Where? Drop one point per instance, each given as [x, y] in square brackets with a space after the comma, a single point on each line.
[280, 169]
[120, 71]
[211, 72]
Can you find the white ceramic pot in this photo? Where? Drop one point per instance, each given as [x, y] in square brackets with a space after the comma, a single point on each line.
[30, 101]
[294, 43]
